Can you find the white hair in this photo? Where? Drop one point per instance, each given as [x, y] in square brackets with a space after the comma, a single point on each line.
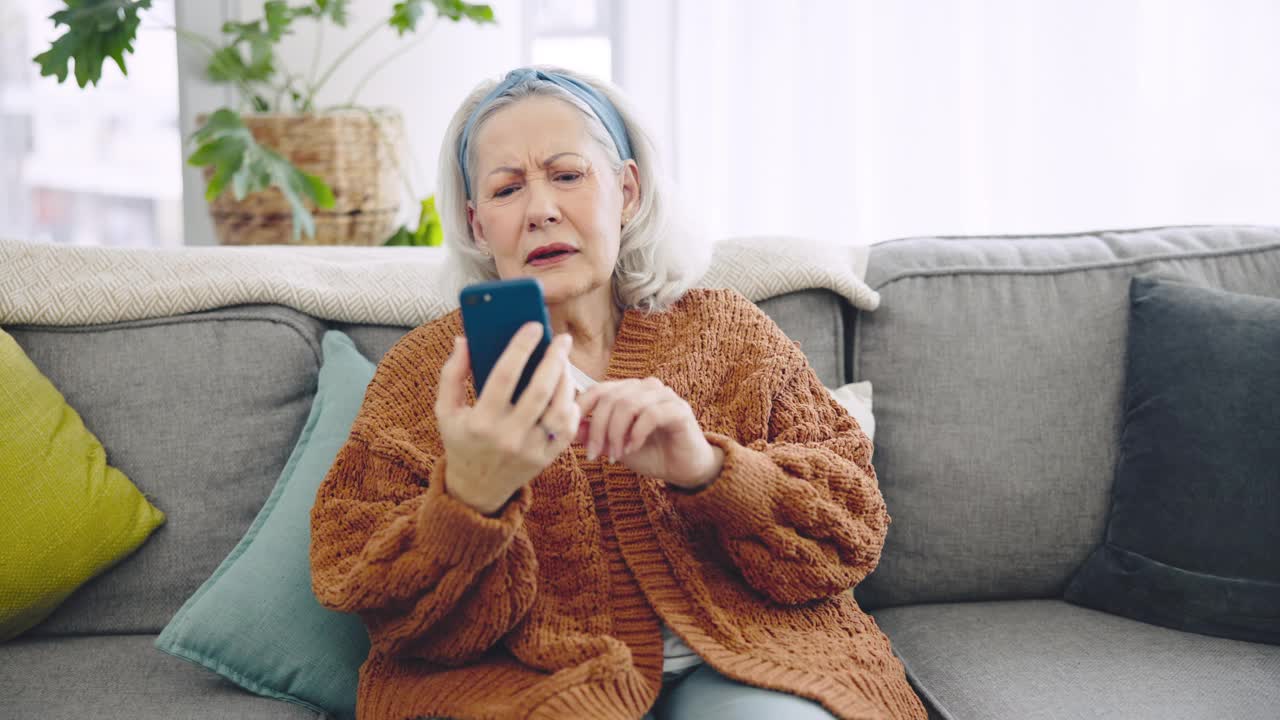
[659, 257]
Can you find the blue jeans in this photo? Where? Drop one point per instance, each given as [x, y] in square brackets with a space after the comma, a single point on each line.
[701, 693]
[705, 694]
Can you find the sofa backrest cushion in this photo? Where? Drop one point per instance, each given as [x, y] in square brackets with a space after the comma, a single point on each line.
[998, 367]
[816, 318]
[202, 410]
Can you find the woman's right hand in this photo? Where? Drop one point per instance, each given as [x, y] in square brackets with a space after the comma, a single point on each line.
[494, 448]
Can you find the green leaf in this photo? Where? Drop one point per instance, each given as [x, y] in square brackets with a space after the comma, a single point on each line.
[239, 184]
[319, 191]
[294, 184]
[54, 60]
[429, 232]
[406, 14]
[228, 65]
[225, 143]
[478, 13]
[96, 30]
[336, 10]
[260, 37]
[222, 145]
[434, 236]
[451, 9]
[401, 236]
[222, 121]
[278, 16]
[456, 10]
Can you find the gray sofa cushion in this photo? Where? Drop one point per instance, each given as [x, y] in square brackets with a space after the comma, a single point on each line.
[1048, 659]
[814, 318]
[373, 341]
[120, 676]
[1194, 526]
[998, 370]
[200, 412]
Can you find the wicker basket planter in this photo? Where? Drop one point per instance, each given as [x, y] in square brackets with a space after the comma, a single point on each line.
[355, 152]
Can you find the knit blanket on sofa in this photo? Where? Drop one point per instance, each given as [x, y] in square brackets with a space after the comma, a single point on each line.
[43, 284]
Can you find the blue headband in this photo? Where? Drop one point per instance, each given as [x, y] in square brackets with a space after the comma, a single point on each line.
[594, 99]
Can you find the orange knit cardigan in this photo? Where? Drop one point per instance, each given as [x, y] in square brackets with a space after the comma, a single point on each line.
[552, 608]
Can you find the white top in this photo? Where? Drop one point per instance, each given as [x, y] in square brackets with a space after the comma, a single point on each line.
[676, 655]
[581, 379]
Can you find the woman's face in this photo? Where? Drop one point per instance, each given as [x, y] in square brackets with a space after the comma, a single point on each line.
[541, 180]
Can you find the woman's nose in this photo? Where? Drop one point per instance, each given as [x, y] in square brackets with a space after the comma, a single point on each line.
[542, 208]
[536, 221]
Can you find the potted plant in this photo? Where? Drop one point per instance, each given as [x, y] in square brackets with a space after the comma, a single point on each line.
[277, 167]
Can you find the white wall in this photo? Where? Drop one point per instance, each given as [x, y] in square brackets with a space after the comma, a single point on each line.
[857, 121]
[426, 83]
[644, 67]
[196, 95]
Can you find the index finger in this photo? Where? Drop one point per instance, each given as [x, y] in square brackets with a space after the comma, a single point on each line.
[587, 399]
[451, 392]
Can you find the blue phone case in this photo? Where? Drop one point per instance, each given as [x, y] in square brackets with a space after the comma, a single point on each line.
[492, 312]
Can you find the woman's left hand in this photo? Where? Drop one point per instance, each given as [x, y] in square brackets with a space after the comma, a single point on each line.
[646, 426]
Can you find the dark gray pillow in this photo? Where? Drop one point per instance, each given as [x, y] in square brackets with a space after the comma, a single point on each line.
[1193, 538]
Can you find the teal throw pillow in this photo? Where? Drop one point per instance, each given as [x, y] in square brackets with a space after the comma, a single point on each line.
[256, 621]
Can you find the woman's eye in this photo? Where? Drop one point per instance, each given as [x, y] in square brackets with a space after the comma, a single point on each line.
[569, 176]
[505, 192]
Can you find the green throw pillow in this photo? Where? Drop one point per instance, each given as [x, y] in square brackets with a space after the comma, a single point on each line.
[255, 621]
[66, 516]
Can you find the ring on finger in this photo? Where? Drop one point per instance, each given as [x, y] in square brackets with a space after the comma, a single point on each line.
[551, 436]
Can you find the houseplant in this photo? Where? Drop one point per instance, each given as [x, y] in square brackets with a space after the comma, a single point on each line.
[277, 167]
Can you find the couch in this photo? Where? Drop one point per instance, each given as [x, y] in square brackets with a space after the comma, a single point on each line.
[997, 366]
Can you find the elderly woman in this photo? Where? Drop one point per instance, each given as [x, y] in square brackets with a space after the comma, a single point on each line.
[678, 539]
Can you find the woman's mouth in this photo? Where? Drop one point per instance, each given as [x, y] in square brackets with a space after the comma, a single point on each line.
[550, 255]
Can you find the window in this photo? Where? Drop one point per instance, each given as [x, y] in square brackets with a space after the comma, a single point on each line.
[96, 165]
[573, 34]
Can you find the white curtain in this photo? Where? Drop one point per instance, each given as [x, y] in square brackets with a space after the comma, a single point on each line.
[855, 121]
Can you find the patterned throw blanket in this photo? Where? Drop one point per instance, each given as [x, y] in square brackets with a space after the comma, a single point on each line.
[44, 284]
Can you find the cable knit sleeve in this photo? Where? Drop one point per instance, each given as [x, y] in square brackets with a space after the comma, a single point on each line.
[431, 577]
[799, 512]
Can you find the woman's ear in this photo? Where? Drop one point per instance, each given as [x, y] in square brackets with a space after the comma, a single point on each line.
[630, 189]
[477, 230]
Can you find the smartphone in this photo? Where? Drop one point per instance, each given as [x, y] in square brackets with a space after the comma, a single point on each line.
[492, 312]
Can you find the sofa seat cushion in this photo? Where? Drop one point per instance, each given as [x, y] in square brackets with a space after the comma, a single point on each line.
[120, 676]
[1049, 659]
